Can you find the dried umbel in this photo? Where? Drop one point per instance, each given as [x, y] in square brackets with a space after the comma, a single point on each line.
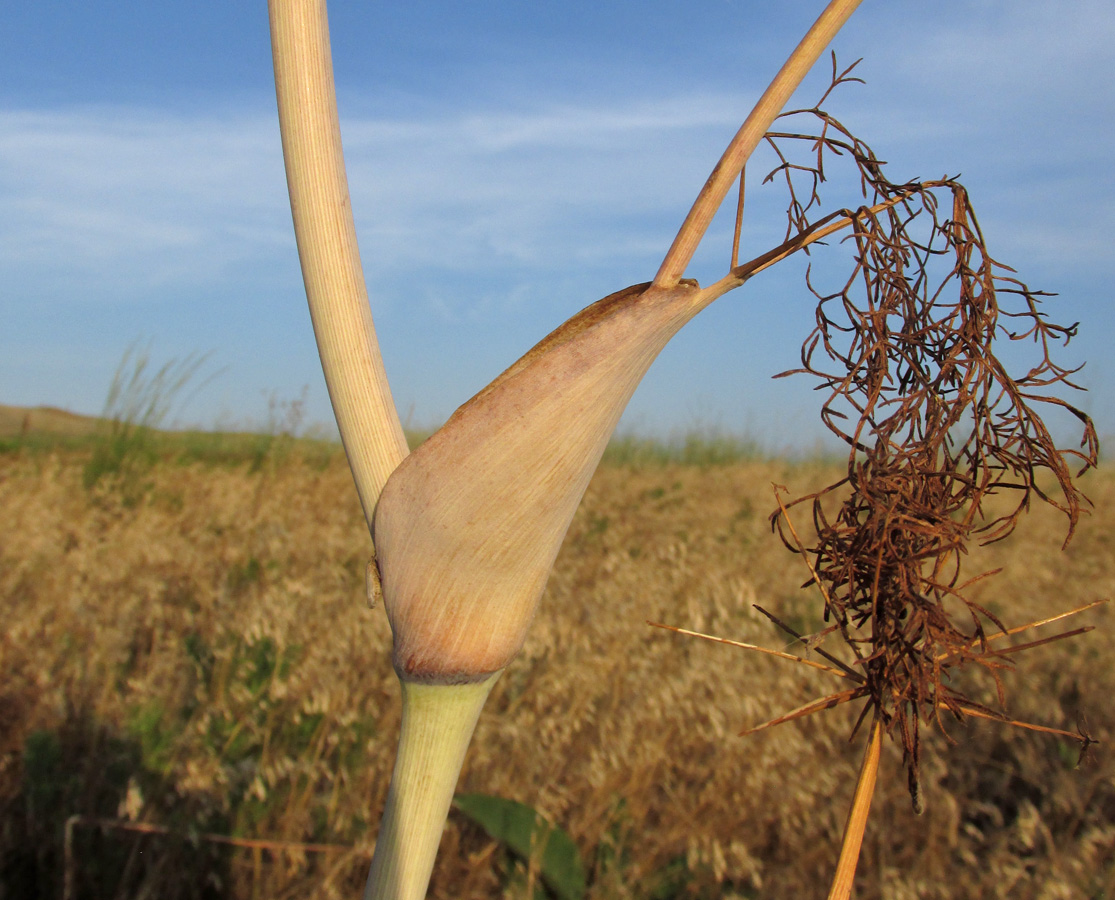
[945, 446]
[935, 426]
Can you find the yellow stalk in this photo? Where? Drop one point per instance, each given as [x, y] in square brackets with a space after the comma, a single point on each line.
[841, 888]
[326, 233]
[756, 124]
[438, 721]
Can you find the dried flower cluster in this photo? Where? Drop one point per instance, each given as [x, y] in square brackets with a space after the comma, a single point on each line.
[935, 427]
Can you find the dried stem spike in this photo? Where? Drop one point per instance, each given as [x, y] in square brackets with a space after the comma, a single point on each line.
[842, 672]
[813, 706]
[841, 888]
[739, 217]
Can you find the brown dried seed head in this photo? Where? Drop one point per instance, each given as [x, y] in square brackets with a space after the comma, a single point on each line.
[934, 423]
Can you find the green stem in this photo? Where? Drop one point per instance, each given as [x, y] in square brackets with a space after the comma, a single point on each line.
[438, 721]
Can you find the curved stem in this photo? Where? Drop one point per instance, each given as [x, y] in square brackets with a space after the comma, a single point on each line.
[326, 233]
[857, 817]
[438, 721]
[747, 139]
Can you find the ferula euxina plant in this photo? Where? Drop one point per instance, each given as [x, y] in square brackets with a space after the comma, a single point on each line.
[467, 527]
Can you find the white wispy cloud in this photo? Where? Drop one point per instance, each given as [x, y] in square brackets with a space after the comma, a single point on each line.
[135, 199]
[140, 198]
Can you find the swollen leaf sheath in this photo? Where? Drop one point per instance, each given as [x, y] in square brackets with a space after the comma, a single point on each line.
[468, 526]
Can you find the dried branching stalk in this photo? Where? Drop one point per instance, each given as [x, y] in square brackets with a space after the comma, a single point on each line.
[934, 423]
[935, 427]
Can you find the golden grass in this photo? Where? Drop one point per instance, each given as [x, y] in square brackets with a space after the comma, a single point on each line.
[203, 657]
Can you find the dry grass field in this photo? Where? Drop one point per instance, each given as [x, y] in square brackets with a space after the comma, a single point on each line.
[186, 643]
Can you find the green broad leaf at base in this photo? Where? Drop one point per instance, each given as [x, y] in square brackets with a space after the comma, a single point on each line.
[530, 837]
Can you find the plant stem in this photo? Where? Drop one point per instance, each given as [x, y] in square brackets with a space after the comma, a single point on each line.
[326, 233]
[820, 229]
[747, 138]
[438, 721]
[857, 816]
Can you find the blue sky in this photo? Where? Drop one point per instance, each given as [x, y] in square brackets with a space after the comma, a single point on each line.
[509, 163]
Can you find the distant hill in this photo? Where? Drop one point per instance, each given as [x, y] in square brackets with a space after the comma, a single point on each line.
[23, 420]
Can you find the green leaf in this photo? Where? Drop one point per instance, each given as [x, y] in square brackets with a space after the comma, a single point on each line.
[531, 837]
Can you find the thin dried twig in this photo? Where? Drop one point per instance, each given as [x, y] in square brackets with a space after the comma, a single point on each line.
[842, 672]
[812, 643]
[813, 706]
[739, 217]
[1047, 621]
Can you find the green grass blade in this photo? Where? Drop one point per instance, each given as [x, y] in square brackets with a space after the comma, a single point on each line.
[531, 837]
